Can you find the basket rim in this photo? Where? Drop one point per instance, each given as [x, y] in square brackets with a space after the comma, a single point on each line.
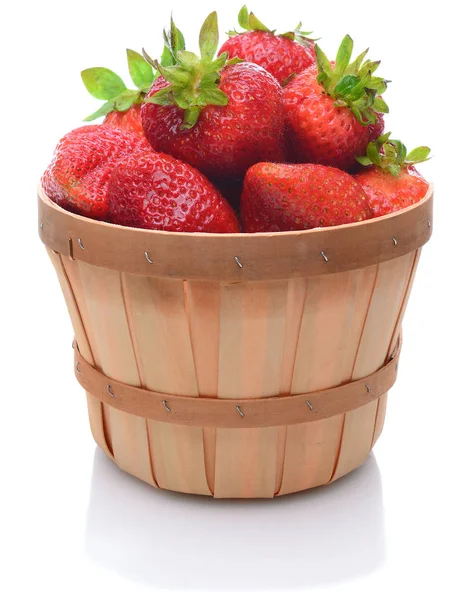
[241, 235]
[235, 257]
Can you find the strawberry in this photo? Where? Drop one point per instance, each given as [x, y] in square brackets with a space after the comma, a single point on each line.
[221, 116]
[390, 179]
[78, 177]
[329, 109]
[129, 119]
[281, 55]
[376, 129]
[153, 190]
[281, 197]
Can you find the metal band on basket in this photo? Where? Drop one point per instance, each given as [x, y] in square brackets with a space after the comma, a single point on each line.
[235, 413]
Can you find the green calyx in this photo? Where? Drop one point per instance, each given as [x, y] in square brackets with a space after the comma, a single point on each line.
[352, 84]
[105, 84]
[194, 80]
[249, 22]
[391, 155]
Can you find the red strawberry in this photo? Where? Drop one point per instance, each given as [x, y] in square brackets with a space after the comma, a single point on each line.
[155, 191]
[77, 178]
[390, 180]
[329, 109]
[129, 119]
[219, 116]
[280, 197]
[376, 129]
[281, 55]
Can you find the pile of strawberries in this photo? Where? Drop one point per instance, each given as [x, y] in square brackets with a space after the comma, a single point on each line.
[267, 134]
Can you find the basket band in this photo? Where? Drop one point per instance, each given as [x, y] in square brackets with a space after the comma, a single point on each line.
[235, 257]
[236, 413]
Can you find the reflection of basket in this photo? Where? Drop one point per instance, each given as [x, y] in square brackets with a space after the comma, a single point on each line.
[203, 355]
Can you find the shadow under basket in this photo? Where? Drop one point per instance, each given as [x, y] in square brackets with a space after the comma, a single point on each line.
[236, 365]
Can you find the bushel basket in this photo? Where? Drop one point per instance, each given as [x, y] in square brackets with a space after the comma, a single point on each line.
[236, 365]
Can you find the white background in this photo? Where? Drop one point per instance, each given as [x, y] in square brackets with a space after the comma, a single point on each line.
[73, 525]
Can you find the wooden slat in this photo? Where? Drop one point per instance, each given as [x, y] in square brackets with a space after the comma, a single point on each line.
[203, 305]
[311, 453]
[252, 333]
[356, 439]
[95, 412]
[252, 337]
[397, 329]
[159, 324]
[178, 457]
[333, 317]
[383, 313]
[99, 295]
[246, 463]
[294, 315]
[334, 312]
[380, 416]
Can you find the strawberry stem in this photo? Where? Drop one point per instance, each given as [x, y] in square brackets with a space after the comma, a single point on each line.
[391, 155]
[193, 80]
[353, 85]
[249, 22]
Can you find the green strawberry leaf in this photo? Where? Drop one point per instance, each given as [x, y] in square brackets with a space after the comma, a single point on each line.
[243, 18]
[391, 155]
[163, 97]
[102, 111]
[190, 117]
[352, 85]
[249, 22]
[344, 54]
[102, 83]
[255, 24]
[175, 75]
[325, 68]
[218, 63]
[364, 160]
[188, 60]
[166, 59]
[346, 86]
[125, 100]
[355, 65]
[209, 37]
[394, 169]
[140, 70]
[417, 155]
[372, 153]
[215, 96]
[210, 81]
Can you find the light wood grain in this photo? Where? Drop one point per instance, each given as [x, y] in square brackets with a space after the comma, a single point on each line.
[356, 439]
[311, 453]
[158, 315]
[383, 313]
[246, 462]
[251, 339]
[380, 416]
[95, 410]
[98, 292]
[333, 318]
[178, 457]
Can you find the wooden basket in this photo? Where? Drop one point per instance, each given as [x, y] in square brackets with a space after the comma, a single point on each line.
[236, 365]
